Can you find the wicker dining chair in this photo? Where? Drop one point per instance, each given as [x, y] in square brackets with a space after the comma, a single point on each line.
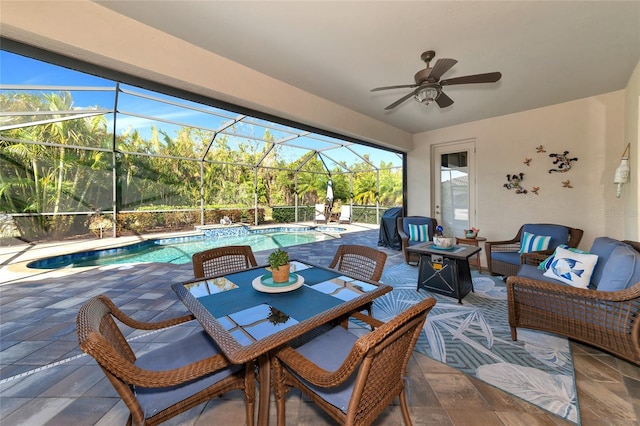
[352, 378]
[361, 262]
[167, 381]
[222, 260]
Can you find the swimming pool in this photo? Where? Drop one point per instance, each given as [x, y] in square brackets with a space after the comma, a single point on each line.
[180, 249]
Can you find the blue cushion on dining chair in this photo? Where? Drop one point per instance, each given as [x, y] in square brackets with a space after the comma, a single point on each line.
[328, 351]
[195, 347]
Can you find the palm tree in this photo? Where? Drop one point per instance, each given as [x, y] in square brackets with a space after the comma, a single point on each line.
[47, 179]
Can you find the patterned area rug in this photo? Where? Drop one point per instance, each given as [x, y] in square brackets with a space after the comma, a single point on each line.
[475, 338]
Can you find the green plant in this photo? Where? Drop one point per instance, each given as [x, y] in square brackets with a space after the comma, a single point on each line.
[278, 258]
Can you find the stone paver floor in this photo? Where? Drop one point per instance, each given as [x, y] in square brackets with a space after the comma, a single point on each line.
[46, 379]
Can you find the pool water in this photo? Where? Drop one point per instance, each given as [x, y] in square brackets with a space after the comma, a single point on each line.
[179, 250]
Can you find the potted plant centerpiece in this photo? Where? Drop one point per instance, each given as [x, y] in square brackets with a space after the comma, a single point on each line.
[280, 266]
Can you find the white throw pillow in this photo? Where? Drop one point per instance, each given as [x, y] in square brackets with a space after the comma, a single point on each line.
[572, 268]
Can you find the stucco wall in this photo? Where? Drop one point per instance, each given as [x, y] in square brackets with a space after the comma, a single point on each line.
[631, 208]
[591, 129]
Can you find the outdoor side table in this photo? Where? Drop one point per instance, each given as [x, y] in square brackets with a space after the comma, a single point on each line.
[445, 271]
[472, 242]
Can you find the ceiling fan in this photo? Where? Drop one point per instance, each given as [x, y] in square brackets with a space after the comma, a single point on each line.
[429, 86]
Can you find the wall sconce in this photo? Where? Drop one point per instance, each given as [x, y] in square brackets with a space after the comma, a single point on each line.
[622, 172]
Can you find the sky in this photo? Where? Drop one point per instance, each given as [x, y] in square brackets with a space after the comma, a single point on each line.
[20, 70]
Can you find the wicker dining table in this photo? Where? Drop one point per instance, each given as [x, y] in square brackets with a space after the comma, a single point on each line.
[248, 316]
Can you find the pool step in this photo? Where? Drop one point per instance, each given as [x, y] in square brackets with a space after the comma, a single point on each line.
[223, 230]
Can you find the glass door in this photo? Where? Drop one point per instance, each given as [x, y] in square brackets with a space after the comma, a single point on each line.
[454, 186]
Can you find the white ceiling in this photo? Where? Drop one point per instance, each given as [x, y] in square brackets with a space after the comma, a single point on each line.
[548, 51]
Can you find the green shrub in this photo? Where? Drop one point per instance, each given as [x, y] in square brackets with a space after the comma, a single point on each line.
[138, 222]
[283, 214]
[180, 220]
[213, 216]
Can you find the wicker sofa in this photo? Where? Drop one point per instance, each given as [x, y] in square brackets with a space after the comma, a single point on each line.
[605, 315]
[504, 257]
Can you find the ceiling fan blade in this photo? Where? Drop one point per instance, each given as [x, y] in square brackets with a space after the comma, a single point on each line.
[399, 101]
[442, 65]
[443, 100]
[490, 77]
[401, 86]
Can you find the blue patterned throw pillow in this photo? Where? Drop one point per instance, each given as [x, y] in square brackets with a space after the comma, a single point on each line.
[418, 232]
[544, 265]
[531, 242]
[572, 268]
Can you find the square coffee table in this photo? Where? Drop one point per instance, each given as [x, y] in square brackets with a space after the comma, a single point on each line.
[445, 271]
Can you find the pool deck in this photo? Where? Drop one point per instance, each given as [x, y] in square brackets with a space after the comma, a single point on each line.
[14, 258]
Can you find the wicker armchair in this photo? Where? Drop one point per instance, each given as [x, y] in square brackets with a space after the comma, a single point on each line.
[222, 260]
[403, 231]
[503, 257]
[369, 370]
[167, 381]
[609, 320]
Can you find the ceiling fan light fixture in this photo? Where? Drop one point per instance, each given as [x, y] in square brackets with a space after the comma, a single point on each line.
[427, 95]
[428, 86]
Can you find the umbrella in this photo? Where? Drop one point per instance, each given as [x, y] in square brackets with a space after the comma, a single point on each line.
[330, 194]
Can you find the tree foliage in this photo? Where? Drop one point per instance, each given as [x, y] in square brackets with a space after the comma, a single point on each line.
[63, 165]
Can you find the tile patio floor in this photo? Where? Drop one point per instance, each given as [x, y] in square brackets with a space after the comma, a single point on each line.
[46, 380]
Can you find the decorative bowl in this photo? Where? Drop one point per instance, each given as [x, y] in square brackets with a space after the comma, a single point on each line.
[443, 242]
[469, 233]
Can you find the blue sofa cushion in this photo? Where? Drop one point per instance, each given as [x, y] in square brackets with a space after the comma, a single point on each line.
[602, 247]
[418, 221]
[532, 272]
[622, 269]
[544, 265]
[559, 234]
[510, 257]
